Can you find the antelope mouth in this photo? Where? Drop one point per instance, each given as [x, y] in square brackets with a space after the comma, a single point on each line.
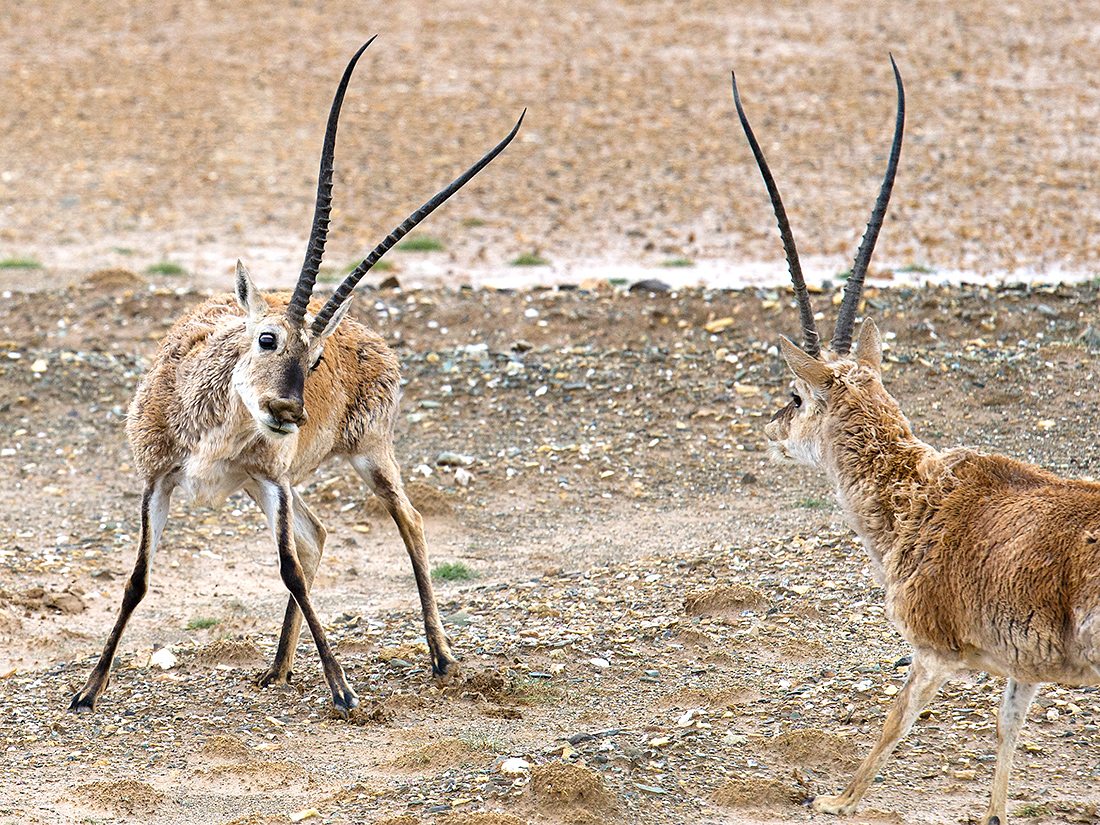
[777, 452]
[278, 429]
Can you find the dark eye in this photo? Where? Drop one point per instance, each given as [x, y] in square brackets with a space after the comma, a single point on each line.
[796, 399]
[267, 340]
[317, 363]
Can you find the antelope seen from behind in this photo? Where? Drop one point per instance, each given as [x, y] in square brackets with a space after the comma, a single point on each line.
[988, 563]
[253, 392]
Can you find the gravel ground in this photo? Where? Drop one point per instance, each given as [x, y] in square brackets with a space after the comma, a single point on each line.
[660, 624]
[656, 624]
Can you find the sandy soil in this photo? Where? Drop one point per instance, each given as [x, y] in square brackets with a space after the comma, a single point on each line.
[141, 133]
[662, 625]
[687, 628]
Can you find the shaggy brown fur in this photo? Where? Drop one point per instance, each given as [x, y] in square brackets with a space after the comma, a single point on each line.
[988, 563]
[239, 397]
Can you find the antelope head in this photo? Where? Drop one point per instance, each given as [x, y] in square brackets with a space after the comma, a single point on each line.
[821, 374]
[285, 345]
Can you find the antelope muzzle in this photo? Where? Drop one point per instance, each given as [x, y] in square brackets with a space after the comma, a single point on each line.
[286, 414]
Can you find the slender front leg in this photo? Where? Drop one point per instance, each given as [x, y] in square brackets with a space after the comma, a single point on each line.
[1017, 700]
[309, 543]
[154, 513]
[926, 676]
[380, 472]
[276, 499]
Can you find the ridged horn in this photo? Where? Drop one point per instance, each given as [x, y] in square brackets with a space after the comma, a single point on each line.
[315, 248]
[853, 291]
[344, 290]
[811, 339]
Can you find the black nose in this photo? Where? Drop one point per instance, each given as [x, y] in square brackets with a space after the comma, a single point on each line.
[287, 411]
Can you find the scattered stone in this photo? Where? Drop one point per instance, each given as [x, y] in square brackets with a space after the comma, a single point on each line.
[452, 459]
[649, 285]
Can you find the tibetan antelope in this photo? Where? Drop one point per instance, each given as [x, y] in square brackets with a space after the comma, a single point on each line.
[988, 563]
[253, 392]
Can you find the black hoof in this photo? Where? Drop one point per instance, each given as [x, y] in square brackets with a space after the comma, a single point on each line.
[267, 678]
[82, 703]
[344, 701]
[444, 666]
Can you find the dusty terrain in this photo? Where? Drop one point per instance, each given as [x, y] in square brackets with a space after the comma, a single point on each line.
[689, 628]
[661, 624]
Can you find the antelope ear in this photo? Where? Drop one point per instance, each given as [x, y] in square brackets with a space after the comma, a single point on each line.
[333, 322]
[869, 346]
[250, 298]
[811, 370]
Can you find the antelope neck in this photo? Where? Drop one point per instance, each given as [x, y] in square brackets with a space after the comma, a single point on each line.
[876, 464]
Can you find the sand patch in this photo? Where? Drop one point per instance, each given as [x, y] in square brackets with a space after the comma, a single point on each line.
[724, 600]
[126, 797]
[563, 784]
[757, 793]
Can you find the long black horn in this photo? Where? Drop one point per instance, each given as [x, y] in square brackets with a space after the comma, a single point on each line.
[344, 290]
[846, 315]
[810, 337]
[315, 249]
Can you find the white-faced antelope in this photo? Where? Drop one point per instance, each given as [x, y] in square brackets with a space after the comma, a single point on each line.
[988, 563]
[253, 392]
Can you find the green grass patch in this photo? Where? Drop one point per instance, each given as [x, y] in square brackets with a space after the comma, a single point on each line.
[920, 269]
[678, 262]
[530, 259]
[534, 692]
[473, 223]
[813, 503]
[20, 263]
[845, 275]
[165, 268]
[453, 571]
[203, 624]
[122, 250]
[1031, 810]
[420, 243]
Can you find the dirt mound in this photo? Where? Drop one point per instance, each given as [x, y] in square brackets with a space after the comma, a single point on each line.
[729, 697]
[250, 777]
[804, 650]
[235, 652]
[813, 748]
[428, 501]
[483, 818]
[225, 750]
[113, 278]
[67, 601]
[728, 599]
[757, 793]
[562, 783]
[447, 753]
[127, 797]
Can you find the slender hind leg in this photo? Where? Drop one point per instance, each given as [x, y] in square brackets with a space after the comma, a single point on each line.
[309, 542]
[278, 503]
[926, 676]
[379, 469]
[1017, 700]
[154, 513]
